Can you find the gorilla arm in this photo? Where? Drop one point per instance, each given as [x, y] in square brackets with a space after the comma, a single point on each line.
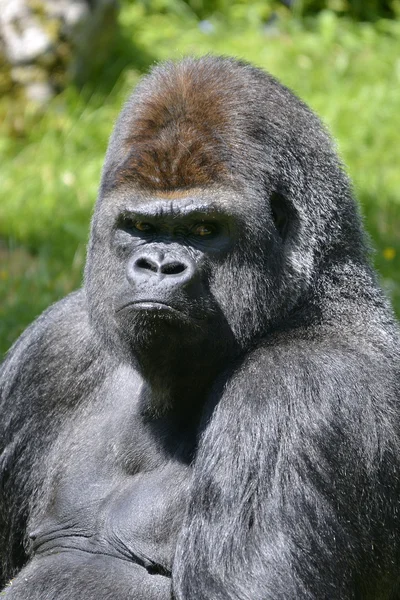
[295, 487]
[48, 371]
[70, 576]
[55, 369]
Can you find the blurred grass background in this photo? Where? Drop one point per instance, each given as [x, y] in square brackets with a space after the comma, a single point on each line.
[342, 57]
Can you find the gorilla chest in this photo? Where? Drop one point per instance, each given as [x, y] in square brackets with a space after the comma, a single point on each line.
[140, 518]
[116, 492]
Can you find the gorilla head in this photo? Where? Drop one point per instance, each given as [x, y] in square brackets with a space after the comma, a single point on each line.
[218, 189]
[209, 222]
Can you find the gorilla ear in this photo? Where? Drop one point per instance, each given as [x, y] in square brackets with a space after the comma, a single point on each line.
[282, 213]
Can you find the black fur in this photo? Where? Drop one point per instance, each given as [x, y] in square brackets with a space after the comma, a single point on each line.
[215, 415]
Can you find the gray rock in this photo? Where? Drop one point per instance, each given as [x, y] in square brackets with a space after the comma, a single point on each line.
[45, 43]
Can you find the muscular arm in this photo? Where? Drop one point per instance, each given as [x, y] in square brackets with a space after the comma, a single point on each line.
[73, 452]
[49, 371]
[74, 576]
[296, 485]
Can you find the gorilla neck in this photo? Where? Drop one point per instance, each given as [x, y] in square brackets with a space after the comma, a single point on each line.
[180, 374]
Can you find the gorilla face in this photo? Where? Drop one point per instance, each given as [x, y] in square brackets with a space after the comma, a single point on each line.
[186, 266]
[169, 250]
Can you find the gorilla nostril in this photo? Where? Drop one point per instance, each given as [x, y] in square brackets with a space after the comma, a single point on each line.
[173, 268]
[147, 265]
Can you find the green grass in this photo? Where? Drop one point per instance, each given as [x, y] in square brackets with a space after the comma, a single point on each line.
[50, 164]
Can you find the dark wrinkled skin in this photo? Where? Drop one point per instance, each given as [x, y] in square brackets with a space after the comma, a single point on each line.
[215, 414]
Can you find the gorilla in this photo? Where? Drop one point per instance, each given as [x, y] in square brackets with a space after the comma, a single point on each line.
[215, 414]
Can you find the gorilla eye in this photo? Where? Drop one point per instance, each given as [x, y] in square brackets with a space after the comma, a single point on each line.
[202, 230]
[143, 226]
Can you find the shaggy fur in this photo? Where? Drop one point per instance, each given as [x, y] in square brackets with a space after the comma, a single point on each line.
[215, 414]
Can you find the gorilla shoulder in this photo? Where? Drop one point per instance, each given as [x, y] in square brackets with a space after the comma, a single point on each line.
[59, 344]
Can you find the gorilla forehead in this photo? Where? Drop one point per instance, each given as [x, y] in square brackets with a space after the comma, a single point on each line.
[196, 122]
[172, 138]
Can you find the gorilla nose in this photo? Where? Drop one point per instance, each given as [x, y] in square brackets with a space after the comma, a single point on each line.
[166, 267]
[157, 266]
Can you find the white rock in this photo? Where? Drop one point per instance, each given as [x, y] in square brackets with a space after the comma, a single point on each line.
[39, 92]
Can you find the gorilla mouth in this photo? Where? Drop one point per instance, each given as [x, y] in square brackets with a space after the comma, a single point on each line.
[160, 309]
[152, 306]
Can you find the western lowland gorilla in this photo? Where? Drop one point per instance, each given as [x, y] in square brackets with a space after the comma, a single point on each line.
[215, 414]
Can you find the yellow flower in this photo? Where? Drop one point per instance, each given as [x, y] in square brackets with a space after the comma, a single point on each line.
[389, 253]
